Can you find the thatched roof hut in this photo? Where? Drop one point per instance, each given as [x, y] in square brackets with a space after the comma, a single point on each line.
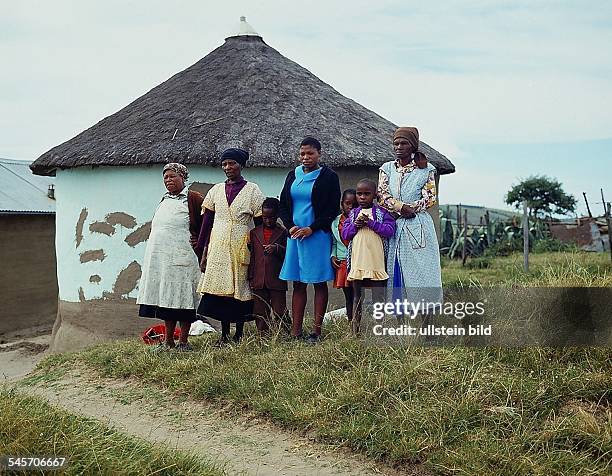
[244, 93]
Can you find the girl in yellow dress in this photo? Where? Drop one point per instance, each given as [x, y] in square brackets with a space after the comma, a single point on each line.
[367, 228]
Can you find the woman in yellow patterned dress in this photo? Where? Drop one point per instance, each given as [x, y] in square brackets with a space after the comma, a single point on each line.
[229, 210]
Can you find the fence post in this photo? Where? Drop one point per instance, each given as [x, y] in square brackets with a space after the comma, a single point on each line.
[587, 204]
[525, 237]
[609, 220]
[465, 226]
[489, 231]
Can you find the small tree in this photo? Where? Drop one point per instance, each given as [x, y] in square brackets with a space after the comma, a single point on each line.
[543, 195]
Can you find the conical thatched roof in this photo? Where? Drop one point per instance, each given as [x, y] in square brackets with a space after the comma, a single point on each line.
[244, 94]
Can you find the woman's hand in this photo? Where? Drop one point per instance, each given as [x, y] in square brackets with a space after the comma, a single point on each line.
[293, 230]
[408, 212]
[335, 262]
[301, 233]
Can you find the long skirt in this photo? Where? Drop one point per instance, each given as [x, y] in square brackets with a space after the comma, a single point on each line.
[413, 263]
[166, 313]
[225, 308]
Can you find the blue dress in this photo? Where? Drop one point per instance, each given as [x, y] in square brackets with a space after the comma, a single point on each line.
[307, 260]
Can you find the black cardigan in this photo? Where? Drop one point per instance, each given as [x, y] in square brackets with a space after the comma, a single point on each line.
[325, 200]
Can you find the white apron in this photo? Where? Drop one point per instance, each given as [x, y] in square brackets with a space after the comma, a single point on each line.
[170, 271]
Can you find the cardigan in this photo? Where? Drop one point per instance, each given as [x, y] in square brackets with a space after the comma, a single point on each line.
[325, 200]
[264, 269]
[383, 225]
[194, 204]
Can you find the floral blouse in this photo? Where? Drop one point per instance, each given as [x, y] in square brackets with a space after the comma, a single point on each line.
[386, 199]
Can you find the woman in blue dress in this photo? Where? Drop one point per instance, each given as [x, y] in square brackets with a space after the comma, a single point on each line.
[309, 203]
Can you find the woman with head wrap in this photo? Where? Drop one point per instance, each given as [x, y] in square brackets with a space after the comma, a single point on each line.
[407, 188]
[229, 209]
[170, 270]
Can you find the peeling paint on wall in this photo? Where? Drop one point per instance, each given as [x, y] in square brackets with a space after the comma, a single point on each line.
[127, 279]
[120, 218]
[92, 255]
[119, 196]
[95, 278]
[79, 227]
[102, 227]
[139, 235]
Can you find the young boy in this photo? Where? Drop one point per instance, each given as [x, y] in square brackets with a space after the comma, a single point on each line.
[267, 243]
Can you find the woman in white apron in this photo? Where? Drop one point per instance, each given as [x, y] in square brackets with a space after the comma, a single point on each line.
[171, 271]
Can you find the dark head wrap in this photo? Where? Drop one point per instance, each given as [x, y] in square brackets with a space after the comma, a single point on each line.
[179, 169]
[239, 155]
[411, 134]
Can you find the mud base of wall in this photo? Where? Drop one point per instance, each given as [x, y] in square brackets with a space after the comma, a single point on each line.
[82, 324]
[28, 274]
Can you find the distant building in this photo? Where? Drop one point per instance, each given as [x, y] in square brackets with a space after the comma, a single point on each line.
[243, 94]
[28, 277]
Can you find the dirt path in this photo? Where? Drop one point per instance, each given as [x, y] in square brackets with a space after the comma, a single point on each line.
[20, 354]
[247, 446]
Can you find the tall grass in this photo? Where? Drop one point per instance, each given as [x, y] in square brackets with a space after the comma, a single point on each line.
[29, 426]
[569, 269]
[468, 411]
[457, 410]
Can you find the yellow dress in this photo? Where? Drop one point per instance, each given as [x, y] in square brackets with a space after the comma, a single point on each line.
[367, 254]
[227, 260]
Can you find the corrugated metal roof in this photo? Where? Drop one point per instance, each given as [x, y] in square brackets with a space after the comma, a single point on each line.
[23, 192]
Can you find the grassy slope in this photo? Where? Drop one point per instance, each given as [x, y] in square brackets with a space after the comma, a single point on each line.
[31, 427]
[471, 411]
[458, 410]
[546, 269]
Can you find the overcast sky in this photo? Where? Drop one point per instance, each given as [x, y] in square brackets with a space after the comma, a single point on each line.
[504, 89]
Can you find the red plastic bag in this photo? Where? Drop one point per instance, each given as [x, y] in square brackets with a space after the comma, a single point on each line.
[156, 334]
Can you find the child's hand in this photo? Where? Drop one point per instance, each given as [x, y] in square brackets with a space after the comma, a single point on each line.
[361, 221]
[335, 262]
[269, 249]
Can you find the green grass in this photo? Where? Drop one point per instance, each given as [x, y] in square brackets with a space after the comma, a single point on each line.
[555, 269]
[457, 410]
[467, 411]
[29, 426]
